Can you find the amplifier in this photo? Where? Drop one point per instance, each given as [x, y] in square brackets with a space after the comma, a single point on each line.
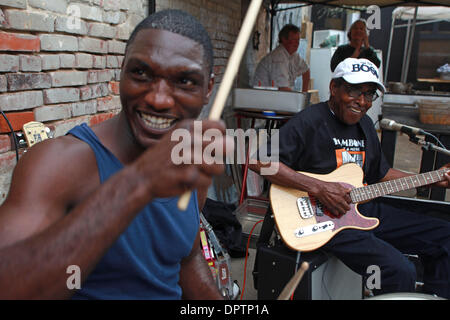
[326, 279]
[268, 100]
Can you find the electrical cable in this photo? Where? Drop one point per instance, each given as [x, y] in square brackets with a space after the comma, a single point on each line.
[425, 133]
[435, 138]
[375, 124]
[16, 144]
[246, 256]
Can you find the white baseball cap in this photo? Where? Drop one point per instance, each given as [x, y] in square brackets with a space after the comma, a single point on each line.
[356, 71]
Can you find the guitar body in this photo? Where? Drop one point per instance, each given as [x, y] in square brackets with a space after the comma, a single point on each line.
[311, 231]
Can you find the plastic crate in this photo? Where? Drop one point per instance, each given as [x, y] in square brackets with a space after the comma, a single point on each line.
[249, 213]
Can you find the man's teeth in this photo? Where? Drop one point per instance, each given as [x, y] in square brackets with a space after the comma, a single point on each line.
[355, 110]
[156, 122]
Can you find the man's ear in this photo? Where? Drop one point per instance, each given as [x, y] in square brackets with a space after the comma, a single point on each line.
[333, 88]
[210, 88]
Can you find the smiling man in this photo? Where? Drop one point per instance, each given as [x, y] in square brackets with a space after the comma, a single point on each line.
[105, 198]
[359, 47]
[327, 135]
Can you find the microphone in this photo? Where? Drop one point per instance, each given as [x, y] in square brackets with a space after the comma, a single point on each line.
[392, 125]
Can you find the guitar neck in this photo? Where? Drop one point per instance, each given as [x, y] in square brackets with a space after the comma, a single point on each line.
[384, 188]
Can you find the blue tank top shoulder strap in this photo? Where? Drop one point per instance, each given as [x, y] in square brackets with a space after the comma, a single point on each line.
[106, 161]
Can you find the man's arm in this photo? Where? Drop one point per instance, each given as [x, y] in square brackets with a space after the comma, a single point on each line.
[42, 234]
[34, 258]
[36, 267]
[336, 58]
[196, 279]
[202, 194]
[397, 174]
[334, 196]
[305, 81]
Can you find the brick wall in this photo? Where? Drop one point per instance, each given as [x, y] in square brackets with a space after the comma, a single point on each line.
[222, 20]
[60, 64]
[62, 71]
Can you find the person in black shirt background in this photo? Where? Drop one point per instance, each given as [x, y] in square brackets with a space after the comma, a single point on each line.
[357, 48]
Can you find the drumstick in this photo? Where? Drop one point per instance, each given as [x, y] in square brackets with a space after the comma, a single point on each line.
[293, 283]
[229, 75]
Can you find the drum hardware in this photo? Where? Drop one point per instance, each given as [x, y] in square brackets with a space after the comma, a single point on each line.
[218, 260]
[406, 296]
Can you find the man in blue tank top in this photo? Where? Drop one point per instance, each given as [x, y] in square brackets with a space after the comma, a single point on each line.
[101, 202]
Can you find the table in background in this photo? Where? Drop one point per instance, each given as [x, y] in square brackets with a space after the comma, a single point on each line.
[272, 121]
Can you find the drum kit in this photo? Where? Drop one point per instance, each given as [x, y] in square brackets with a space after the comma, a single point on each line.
[218, 260]
[406, 296]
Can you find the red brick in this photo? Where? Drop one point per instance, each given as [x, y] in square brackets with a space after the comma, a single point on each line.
[114, 87]
[5, 143]
[17, 120]
[61, 127]
[100, 118]
[8, 160]
[106, 104]
[19, 42]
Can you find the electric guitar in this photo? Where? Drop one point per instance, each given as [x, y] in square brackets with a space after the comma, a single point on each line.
[34, 132]
[306, 225]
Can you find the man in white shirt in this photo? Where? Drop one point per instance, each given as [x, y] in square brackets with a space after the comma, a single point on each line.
[283, 65]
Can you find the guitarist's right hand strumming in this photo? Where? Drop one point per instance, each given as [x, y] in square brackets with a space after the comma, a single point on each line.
[334, 196]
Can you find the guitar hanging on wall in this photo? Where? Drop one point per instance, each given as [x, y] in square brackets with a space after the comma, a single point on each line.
[34, 132]
[306, 225]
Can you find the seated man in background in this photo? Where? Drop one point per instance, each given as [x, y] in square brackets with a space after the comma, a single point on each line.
[283, 65]
[321, 138]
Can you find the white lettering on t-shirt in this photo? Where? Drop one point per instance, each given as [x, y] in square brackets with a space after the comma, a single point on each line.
[349, 143]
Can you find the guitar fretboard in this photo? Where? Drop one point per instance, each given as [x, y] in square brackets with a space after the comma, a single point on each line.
[384, 188]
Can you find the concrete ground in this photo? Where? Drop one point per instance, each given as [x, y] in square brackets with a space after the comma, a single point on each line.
[237, 273]
[407, 157]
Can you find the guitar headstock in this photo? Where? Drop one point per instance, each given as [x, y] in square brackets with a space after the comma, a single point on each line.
[34, 132]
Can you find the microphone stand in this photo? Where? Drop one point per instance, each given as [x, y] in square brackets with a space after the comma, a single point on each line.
[427, 146]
